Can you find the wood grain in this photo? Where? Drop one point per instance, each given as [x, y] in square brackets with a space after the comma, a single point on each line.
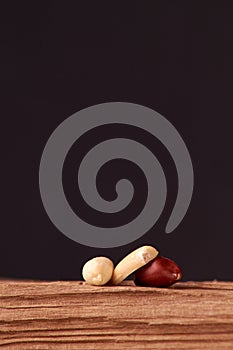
[72, 315]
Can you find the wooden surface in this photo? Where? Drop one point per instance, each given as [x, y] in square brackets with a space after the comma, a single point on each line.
[72, 315]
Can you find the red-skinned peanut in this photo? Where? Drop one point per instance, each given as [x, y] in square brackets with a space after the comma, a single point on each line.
[160, 272]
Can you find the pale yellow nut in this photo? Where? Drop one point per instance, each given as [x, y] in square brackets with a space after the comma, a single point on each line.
[133, 262]
[98, 271]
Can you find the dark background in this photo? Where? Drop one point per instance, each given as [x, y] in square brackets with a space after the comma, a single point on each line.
[172, 56]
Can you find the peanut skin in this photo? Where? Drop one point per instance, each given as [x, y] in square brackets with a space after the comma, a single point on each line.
[160, 272]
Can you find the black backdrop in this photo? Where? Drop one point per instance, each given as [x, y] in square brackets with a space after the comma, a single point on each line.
[59, 57]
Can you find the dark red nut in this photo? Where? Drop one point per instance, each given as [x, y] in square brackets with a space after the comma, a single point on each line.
[160, 272]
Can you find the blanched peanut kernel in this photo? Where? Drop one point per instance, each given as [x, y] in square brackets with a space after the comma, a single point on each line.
[98, 271]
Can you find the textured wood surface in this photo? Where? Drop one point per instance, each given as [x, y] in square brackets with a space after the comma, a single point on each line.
[72, 315]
